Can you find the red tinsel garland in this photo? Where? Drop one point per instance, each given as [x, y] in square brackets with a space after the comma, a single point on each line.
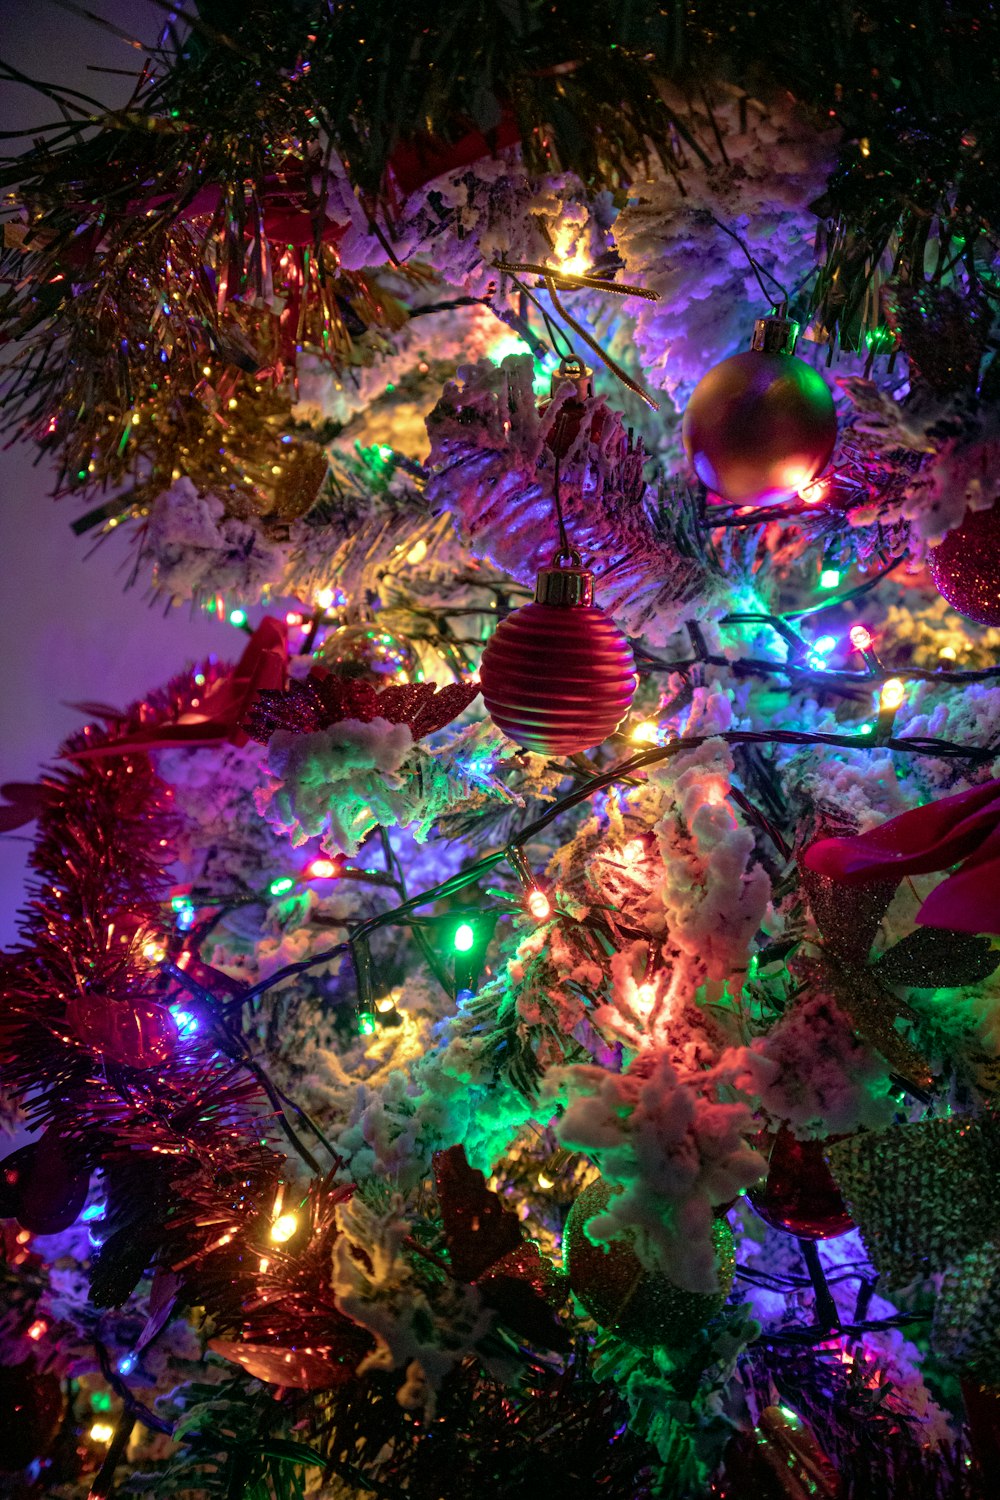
[190, 1176]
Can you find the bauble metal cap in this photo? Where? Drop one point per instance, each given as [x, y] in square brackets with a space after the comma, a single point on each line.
[573, 371]
[775, 334]
[566, 584]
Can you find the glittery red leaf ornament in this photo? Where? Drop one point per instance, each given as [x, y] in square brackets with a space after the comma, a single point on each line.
[43, 1186]
[311, 1369]
[138, 1034]
[322, 700]
[219, 713]
[524, 1288]
[479, 1230]
[965, 827]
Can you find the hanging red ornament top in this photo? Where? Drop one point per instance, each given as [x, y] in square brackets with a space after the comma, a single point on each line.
[558, 675]
[761, 425]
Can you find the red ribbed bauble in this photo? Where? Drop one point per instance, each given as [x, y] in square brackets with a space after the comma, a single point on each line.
[761, 424]
[799, 1194]
[558, 675]
[966, 566]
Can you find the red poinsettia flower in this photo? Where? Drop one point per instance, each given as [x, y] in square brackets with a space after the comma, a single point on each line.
[222, 707]
[323, 700]
[963, 830]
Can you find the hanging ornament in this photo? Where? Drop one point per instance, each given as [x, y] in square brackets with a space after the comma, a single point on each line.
[761, 425]
[368, 652]
[42, 1187]
[572, 371]
[558, 675]
[965, 567]
[642, 1307]
[799, 1194]
[303, 468]
[138, 1034]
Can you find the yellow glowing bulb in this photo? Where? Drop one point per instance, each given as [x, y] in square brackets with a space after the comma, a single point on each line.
[893, 693]
[154, 951]
[633, 851]
[102, 1432]
[206, 370]
[417, 552]
[386, 1004]
[646, 733]
[645, 994]
[324, 598]
[545, 1182]
[539, 905]
[283, 1228]
[948, 653]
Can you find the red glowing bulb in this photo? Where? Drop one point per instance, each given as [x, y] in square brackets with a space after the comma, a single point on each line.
[322, 869]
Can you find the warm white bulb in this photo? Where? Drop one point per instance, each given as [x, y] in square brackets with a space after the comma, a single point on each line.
[283, 1228]
[893, 693]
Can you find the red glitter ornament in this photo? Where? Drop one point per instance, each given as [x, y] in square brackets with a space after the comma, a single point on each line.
[799, 1194]
[558, 675]
[762, 424]
[965, 567]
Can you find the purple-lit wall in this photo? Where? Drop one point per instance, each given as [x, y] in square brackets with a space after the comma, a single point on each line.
[69, 631]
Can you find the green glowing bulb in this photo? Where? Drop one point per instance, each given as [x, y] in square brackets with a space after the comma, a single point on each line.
[866, 728]
[100, 1401]
[237, 617]
[281, 886]
[366, 1024]
[465, 936]
[829, 578]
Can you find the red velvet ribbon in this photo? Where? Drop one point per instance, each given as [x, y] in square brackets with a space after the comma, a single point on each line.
[962, 830]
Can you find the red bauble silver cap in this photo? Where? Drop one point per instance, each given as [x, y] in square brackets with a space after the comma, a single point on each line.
[558, 675]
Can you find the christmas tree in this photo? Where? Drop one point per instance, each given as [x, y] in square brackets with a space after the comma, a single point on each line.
[525, 1015]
